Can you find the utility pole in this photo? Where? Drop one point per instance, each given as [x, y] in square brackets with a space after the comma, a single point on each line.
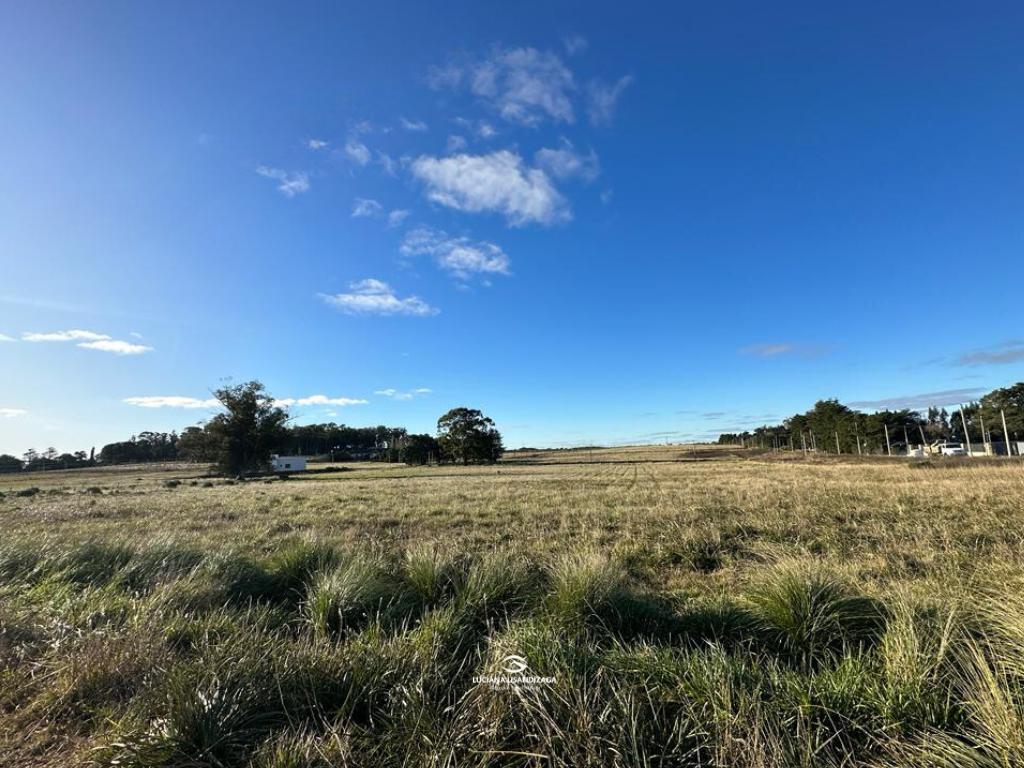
[888, 447]
[838, 450]
[967, 436]
[1006, 433]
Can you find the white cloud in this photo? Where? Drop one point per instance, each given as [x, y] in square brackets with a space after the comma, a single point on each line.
[498, 182]
[10, 413]
[525, 85]
[73, 335]
[485, 130]
[602, 98]
[316, 144]
[395, 394]
[375, 297]
[116, 347]
[172, 401]
[413, 125]
[565, 162]
[448, 76]
[358, 152]
[89, 340]
[388, 163]
[366, 208]
[575, 44]
[397, 216]
[4, 337]
[455, 143]
[291, 183]
[319, 400]
[458, 255]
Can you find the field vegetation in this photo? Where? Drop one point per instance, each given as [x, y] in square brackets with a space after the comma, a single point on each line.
[694, 607]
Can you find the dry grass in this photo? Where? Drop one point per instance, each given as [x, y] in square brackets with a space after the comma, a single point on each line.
[697, 607]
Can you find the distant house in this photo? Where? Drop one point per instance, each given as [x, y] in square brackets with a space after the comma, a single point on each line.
[288, 463]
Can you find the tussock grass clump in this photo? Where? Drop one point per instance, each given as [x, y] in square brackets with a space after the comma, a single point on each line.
[809, 617]
[362, 589]
[591, 590]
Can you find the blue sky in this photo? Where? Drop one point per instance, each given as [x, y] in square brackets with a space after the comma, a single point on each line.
[611, 226]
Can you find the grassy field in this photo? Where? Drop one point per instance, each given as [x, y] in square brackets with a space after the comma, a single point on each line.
[686, 607]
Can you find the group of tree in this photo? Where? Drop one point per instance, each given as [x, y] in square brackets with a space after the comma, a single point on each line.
[249, 428]
[831, 426]
[34, 461]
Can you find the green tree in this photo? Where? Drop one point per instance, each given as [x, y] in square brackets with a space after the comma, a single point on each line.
[250, 427]
[466, 435]
[10, 463]
[418, 449]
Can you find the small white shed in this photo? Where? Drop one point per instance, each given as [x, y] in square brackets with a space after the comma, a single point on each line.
[288, 463]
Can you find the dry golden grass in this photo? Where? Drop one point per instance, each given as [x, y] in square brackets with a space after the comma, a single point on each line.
[698, 607]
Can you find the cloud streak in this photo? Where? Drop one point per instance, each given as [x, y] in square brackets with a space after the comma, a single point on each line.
[12, 413]
[920, 401]
[375, 297]
[89, 340]
[1007, 352]
[780, 349]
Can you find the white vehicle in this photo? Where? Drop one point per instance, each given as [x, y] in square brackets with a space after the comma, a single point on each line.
[951, 449]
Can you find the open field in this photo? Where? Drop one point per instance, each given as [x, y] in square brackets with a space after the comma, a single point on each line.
[695, 608]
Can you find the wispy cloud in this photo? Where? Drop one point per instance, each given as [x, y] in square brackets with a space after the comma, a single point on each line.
[358, 152]
[116, 346]
[366, 208]
[603, 98]
[11, 413]
[574, 44]
[458, 255]
[523, 85]
[497, 182]
[290, 183]
[371, 209]
[921, 401]
[566, 163]
[89, 340]
[455, 143]
[397, 216]
[286, 402]
[783, 348]
[4, 337]
[396, 394]
[375, 297]
[73, 335]
[316, 144]
[1011, 351]
[412, 125]
[172, 401]
[196, 403]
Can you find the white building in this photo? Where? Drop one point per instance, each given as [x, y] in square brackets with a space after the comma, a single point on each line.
[288, 463]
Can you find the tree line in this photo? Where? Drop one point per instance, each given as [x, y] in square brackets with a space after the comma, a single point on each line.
[831, 426]
[249, 428]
